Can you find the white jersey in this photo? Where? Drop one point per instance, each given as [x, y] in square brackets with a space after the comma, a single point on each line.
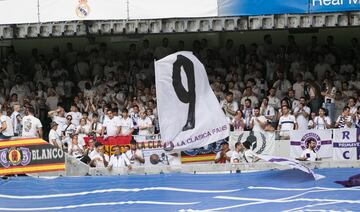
[112, 126]
[145, 123]
[119, 161]
[9, 131]
[131, 156]
[126, 125]
[309, 154]
[30, 125]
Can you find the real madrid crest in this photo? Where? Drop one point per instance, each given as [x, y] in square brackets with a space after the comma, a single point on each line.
[83, 9]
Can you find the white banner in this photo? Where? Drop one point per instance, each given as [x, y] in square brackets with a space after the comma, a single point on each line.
[346, 144]
[261, 143]
[18, 11]
[69, 10]
[292, 163]
[143, 9]
[189, 113]
[299, 139]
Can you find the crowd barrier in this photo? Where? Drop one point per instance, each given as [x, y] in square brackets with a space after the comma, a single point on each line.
[40, 11]
[332, 144]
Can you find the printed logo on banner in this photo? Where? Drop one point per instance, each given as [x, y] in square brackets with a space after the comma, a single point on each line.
[15, 156]
[299, 139]
[256, 139]
[83, 9]
[310, 137]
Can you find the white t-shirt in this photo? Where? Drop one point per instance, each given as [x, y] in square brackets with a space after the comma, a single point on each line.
[30, 126]
[126, 125]
[94, 154]
[287, 123]
[233, 106]
[257, 121]
[145, 123]
[319, 122]
[300, 119]
[131, 156]
[9, 131]
[61, 121]
[236, 155]
[119, 161]
[228, 154]
[54, 137]
[309, 154]
[76, 116]
[111, 126]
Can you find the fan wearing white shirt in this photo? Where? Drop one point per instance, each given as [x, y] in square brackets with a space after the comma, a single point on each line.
[145, 124]
[118, 160]
[67, 130]
[111, 125]
[321, 121]
[75, 114]
[126, 124]
[257, 122]
[237, 155]
[309, 154]
[302, 113]
[287, 122]
[6, 130]
[31, 126]
[16, 119]
[54, 138]
[98, 157]
[135, 155]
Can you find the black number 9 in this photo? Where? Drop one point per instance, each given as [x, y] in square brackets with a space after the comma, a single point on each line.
[187, 97]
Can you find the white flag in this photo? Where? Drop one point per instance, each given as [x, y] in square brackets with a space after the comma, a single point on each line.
[189, 113]
[347, 144]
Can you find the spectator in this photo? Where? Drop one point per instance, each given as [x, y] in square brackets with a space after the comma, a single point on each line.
[329, 98]
[309, 154]
[321, 121]
[98, 157]
[82, 131]
[145, 124]
[54, 138]
[111, 126]
[238, 122]
[248, 113]
[135, 155]
[267, 110]
[31, 126]
[257, 122]
[302, 112]
[237, 155]
[229, 105]
[287, 122]
[67, 129]
[6, 130]
[344, 120]
[16, 120]
[118, 160]
[126, 124]
[74, 149]
[225, 153]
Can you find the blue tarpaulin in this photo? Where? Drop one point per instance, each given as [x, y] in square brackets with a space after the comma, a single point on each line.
[288, 190]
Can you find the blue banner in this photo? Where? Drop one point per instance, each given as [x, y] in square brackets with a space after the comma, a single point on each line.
[318, 6]
[262, 7]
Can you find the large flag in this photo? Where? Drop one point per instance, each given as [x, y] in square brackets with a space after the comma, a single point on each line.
[299, 139]
[347, 144]
[190, 115]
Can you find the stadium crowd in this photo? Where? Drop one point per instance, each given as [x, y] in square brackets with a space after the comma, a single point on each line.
[74, 93]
